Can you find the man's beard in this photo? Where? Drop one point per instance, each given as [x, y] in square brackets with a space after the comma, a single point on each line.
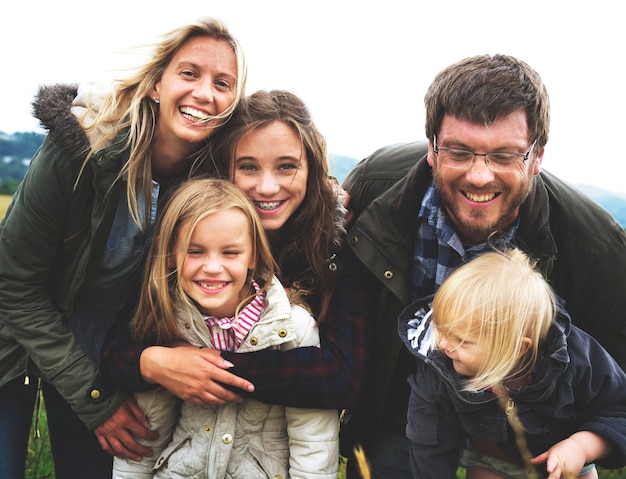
[479, 230]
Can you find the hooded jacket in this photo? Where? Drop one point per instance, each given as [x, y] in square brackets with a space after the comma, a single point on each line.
[579, 246]
[51, 242]
[251, 439]
[576, 386]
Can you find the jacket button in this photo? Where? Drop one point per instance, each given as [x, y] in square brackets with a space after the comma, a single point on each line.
[254, 341]
[187, 326]
[227, 438]
[95, 394]
[388, 274]
[282, 333]
[332, 267]
[207, 428]
[354, 240]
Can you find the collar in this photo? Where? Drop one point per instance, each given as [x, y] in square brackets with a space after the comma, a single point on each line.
[229, 333]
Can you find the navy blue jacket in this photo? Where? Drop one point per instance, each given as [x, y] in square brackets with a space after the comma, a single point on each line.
[577, 386]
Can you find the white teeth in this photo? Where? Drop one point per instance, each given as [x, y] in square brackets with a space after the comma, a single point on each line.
[211, 286]
[267, 205]
[194, 115]
[480, 198]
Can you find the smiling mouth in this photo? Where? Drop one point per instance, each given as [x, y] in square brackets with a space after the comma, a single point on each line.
[480, 198]
[194, 115]
[268, 205]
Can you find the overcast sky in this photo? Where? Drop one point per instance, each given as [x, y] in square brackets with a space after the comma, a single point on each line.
[362, 67]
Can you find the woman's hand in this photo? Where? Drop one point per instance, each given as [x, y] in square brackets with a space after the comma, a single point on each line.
[117, 435]
[197, 375]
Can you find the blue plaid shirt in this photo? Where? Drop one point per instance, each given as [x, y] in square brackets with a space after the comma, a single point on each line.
[438, 250]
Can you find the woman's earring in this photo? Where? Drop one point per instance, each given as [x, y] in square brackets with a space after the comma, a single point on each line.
[156, 100]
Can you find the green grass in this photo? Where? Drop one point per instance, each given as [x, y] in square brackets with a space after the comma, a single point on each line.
[4, 204]
[39, 463]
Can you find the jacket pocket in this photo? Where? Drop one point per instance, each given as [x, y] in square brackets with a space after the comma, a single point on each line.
[259, 464]
[175, 459]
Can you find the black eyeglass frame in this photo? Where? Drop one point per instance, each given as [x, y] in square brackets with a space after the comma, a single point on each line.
[516, 154]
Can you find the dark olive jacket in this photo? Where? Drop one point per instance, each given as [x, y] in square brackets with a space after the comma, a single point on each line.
[51, 242]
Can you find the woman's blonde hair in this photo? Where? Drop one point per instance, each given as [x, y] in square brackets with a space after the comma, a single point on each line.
[155, 318]
[128, 106]
[502, 298]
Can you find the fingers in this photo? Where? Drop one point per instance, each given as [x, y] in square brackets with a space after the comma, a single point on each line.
[136, 413]
[117, 435]
[213, 391]
[233, 381]
[104, 444]
[224, 376]
[540, 459]
[214, 357]
[219, 399]
[554, 466]
[130, 418]
[124, 446]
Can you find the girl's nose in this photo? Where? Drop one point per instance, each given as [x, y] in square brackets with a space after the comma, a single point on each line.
[212, 265]
[268, 185]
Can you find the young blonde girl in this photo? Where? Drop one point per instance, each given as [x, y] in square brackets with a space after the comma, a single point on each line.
[495, 343]
[210, 271]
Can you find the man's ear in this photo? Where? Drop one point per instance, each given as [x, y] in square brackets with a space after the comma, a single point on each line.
[538, 162]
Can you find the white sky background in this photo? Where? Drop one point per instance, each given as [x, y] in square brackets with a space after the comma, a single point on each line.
[362, 67]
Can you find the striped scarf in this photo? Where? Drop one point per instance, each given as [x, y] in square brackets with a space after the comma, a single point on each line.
[229, 333]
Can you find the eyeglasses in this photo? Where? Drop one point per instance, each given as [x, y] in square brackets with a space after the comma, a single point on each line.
[498, 162]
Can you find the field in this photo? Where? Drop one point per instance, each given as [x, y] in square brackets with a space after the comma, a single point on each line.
[4, 203]
[39, 460]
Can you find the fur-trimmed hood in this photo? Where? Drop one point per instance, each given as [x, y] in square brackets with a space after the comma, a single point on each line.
[65, 109]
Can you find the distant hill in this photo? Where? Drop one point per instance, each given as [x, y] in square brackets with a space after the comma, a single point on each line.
[612, 202]
[16, 151]
[341, 165]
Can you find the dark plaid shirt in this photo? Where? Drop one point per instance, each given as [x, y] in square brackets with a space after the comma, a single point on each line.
[439, 250]
[326, 377]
